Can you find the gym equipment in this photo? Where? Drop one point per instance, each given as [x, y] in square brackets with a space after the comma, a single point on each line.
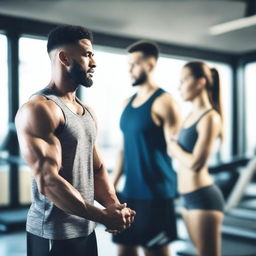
[230, 247]
[12, 220]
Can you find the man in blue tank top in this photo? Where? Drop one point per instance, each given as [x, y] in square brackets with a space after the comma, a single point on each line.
[57, 133]
[149, 119]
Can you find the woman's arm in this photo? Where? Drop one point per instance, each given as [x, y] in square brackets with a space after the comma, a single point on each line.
[208, 130]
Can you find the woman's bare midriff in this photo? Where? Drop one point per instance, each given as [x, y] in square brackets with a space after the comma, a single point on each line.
[189, 180]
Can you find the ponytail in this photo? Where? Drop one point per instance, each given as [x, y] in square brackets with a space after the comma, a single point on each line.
[200, 69]
[215, 92]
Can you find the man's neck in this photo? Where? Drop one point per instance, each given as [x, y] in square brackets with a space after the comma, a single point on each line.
[146, 88]
[64, 89]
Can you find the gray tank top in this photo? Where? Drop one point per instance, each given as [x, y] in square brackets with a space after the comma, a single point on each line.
[77, 138]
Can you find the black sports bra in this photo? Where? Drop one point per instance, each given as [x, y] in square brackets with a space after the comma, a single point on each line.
[188, 136]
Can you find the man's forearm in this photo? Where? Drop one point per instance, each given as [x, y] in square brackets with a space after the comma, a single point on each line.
[105, 193]
[68, 199]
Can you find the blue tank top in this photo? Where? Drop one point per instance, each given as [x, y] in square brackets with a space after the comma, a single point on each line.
[147, 167]
[188, 136]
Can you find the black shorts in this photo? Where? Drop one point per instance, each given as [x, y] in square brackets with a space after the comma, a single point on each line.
[206, 198]
[154, 225]
[81, 246]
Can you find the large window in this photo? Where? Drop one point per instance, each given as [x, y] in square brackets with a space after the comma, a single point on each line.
[34, 75]
[112, 86]
[225, 72]
[4, 168]
[4, 87]
[250, 106]
[167, 76]
[34, 69]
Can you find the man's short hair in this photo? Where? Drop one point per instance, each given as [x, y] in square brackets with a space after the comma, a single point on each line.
[148, 48]
[67, 34]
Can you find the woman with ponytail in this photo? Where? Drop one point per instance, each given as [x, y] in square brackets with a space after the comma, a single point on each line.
[203, 201]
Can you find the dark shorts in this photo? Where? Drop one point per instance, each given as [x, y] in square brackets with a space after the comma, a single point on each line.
[81, 246]
[154, 225]
[206, 198]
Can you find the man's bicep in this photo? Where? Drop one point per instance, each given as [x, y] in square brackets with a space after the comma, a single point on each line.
[42, 155]
[171, 118]
[36, 138]
[96, 158]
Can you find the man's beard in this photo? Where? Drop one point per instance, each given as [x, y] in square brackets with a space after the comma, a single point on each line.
[79, 76]
[140, 80]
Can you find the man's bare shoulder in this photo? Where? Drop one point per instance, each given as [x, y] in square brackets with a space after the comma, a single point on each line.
[37, 105]
[164, 101]
[165, 98]
[39, 113]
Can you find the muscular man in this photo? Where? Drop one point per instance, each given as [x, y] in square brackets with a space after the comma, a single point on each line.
[150, 118]
[57, 139]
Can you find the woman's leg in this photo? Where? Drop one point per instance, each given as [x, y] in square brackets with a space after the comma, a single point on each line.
[161, 251]
[125, 250]
[205, 229]
[185, 216]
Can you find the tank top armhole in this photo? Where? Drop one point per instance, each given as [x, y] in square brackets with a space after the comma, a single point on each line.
[60, 128]
[154, 96]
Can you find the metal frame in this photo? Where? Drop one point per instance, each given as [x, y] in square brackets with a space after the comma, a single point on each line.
[239, 122]
[245, 177]
[13, 85]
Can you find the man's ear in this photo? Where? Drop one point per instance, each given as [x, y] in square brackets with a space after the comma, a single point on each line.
[64, 58]
[151, 64]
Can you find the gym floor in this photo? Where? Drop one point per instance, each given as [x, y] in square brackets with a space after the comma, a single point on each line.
[14, 244]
